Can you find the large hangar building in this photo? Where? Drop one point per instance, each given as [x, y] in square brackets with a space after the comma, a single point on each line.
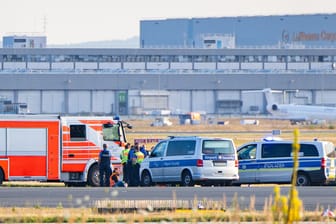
[316, 30]
[182, 66]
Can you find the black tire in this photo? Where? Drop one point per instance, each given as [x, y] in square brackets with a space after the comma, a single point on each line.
[187, 179]
[302, 180]
[75, 184]
[146, 179]
[2, 177]
[93, 176]
[228, 183]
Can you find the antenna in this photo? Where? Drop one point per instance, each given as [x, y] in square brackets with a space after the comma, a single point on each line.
[44, 24]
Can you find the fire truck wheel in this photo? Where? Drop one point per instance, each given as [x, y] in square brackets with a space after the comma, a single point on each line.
[72, 184]
[1, 176]
[93, 176]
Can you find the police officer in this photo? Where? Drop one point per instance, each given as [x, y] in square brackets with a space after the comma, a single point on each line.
[137, 160]
[104, 167]
[130, 165]
[124, 160]
[143, 150]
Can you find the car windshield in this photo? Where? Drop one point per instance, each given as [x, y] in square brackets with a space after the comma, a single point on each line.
[218, 147]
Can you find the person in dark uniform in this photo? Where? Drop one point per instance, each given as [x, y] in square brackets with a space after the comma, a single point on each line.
[104, 167]
[130, 161]
[137, 157]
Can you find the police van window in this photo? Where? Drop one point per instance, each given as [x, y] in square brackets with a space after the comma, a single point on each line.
[77, 132]
[158, 151]
[183, 147]
[247, 152]
[111, 132]
[217, 147]
[308, 150]
[276, 150]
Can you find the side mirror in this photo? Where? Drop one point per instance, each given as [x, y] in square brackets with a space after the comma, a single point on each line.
[107, 125]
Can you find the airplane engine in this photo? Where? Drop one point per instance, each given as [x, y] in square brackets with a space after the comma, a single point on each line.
[272, 107]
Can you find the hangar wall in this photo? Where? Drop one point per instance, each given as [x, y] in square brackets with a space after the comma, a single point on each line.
[90, 95]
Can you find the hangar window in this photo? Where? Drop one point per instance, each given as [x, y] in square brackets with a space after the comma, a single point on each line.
[38, 58]
[14, 58]
[135, 58]
[181, 58]
[61, 58]
[297, 58]
[281, 58]
[204, 58]
[251, 58]
[272, 58]
[19, 40]
[86, 58]
[227, 58]
[325, 58]
[105, 58]
[157, 58]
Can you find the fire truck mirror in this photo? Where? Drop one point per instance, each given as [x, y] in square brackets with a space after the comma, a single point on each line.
[108, 125]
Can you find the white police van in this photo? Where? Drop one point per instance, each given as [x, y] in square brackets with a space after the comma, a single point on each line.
[191, 160]
[272, 162]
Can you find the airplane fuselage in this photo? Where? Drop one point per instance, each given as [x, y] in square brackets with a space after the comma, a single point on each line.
[302, 112]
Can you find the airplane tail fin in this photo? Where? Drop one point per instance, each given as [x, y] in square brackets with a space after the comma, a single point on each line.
[268, 94]
[271, 104]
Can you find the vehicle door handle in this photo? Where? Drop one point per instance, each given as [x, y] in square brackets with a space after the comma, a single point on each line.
[71, 155]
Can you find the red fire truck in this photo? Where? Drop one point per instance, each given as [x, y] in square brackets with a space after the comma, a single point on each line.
[57, 148]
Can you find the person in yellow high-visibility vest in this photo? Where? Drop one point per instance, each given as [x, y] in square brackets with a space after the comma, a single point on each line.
[124, 158]
[137, 159]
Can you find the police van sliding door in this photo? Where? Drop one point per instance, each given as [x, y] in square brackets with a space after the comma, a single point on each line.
[26, 149]
[276, 163]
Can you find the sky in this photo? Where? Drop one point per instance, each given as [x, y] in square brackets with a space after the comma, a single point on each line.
[76, 21]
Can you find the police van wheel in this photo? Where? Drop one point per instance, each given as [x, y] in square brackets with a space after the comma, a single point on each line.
[93, 176]
[146, 179]
[187, 179]
[302, 180]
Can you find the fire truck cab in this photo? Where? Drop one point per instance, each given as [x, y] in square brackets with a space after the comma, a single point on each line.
[57, 148]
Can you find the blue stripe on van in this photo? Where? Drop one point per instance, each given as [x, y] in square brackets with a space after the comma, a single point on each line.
[173, 163]
[279, 163]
